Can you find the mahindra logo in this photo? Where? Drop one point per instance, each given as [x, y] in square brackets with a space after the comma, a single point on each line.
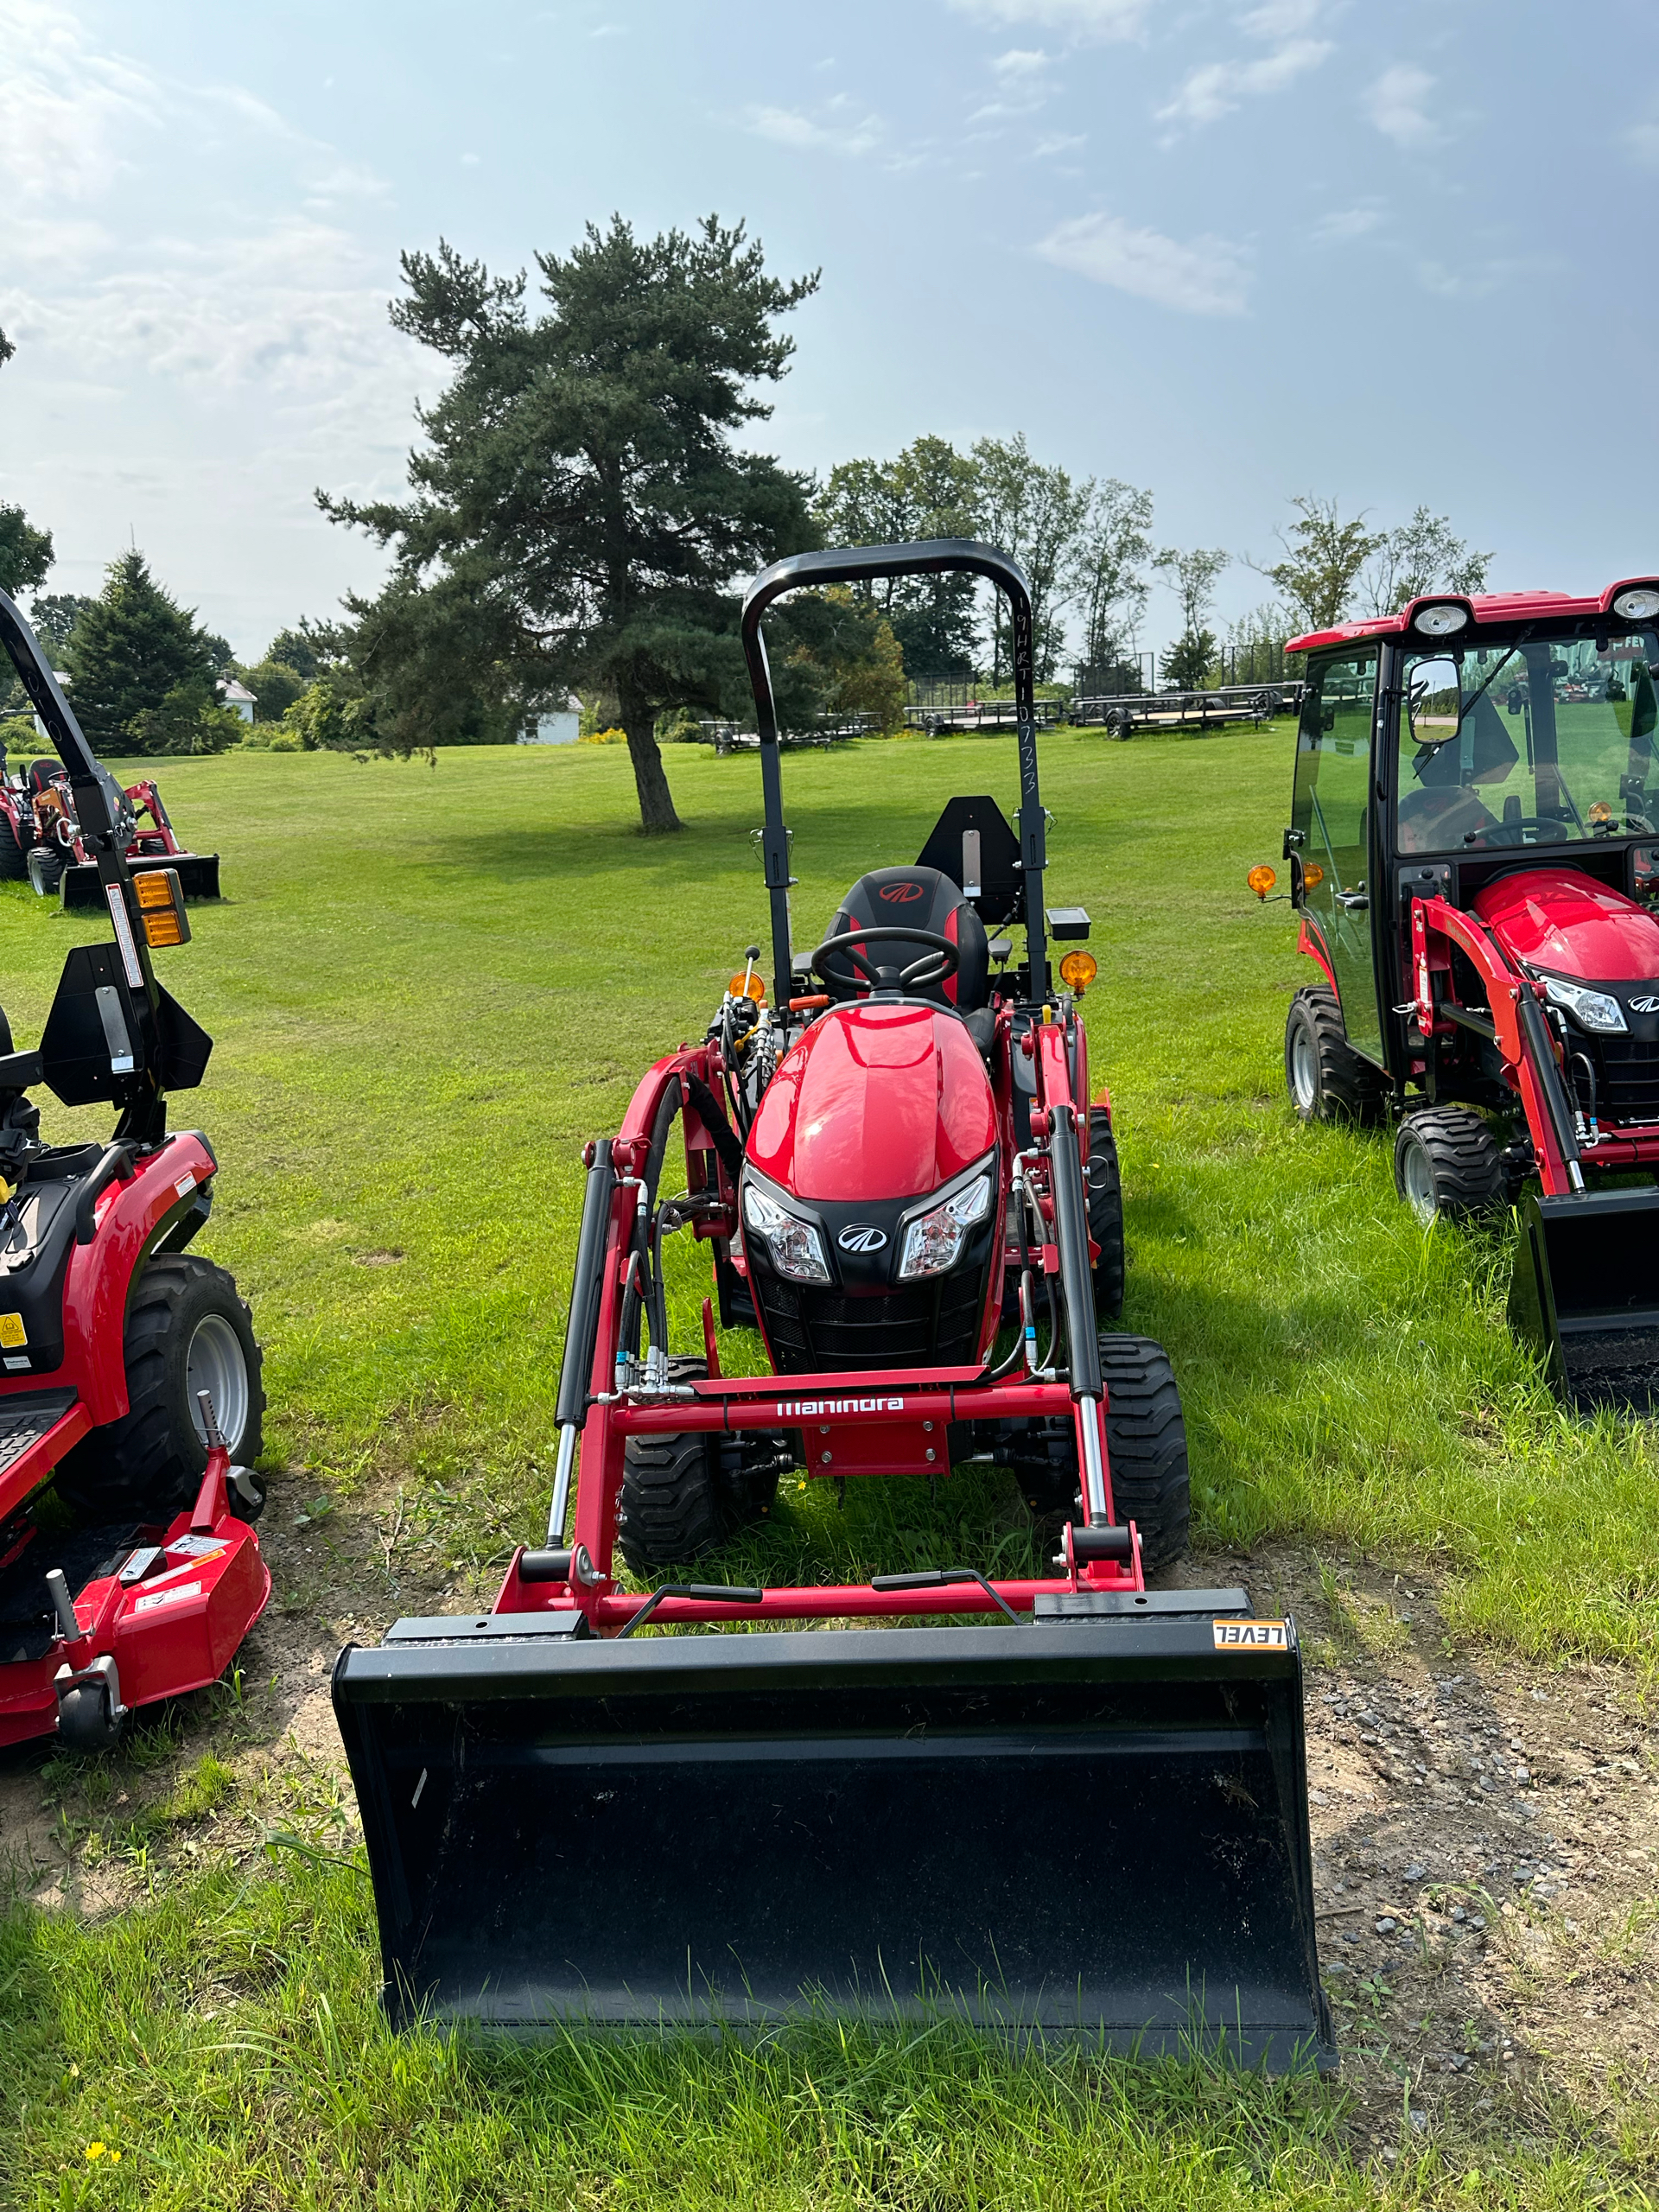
[862, 1237]
[899, 895]
[1643, 1006]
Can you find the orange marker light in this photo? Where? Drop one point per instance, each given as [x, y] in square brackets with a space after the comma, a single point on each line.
[1312, 876]
[1262, 881]
[749, 986]
[161, 906]
[1079, 970]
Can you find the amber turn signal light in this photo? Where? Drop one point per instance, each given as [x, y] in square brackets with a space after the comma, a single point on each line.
[1079, 970]
[1262, 881]
[160, 907]
[1312, 875]
[749, 986]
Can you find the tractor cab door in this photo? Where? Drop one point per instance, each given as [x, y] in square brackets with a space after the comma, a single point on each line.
[1330, 821]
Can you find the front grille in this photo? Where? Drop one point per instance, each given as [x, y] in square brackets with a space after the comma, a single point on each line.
[1627, 1079]
[926, 1324]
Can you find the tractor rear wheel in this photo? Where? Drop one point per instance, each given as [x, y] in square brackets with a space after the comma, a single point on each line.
[1446, 1162]
[1105, 1213]
[186, 1331]
[14, 855]
[682, 1495]
[1145, 1439]
[1327, 1080]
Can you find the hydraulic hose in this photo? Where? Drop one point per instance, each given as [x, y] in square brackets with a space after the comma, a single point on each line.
[1535, 1030]
[582, 1331]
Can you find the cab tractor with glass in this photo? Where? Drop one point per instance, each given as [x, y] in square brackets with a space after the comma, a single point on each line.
[1050, 1801]
[1473, 853]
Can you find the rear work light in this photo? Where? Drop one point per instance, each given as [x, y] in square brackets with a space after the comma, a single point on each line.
[1640, 605]
[160, 907]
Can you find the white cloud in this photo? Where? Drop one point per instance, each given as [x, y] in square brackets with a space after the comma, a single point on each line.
[787, 126]
[1021, 63]
[1059, 142]
[1218, 87]
[1077, 19]
[1281, 18]
[1344, 223]
[1394, 104]
[1207, 277]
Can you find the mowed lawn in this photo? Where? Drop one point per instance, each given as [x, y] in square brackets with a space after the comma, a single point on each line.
[428, 988]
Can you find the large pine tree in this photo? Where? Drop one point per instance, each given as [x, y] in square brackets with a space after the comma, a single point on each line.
[582, 509]
[131, 646]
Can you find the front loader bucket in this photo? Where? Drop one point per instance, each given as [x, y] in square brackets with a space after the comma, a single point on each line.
[198, 872]
[1585, 1295]
[1095, 1824]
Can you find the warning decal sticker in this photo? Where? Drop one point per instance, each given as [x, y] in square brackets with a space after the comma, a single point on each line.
[166, 1597]
[12, 1331]
[1250, 1635]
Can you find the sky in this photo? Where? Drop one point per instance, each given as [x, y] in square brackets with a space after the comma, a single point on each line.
[1387, 251]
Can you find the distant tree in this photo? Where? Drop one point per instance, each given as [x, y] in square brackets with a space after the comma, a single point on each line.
[274, 687]
[1035, 514]
[25, 552]
[580, 486]
[54, 615]
[834, 655]
[1105, 579]
[1424, 555]
[928, 491]
[305, 650]
[191, 718]
[1324, 557]
[130, 649]
[1255, 644]
[1192, 576]
[220, 659]
[7, 349]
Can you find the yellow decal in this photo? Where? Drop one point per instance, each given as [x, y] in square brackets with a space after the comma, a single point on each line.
[12, 1331]
[1250, 1635]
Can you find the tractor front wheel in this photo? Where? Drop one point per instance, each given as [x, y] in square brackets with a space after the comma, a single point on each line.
[1327, 1080]
[1105, 1213]
[1446, 1162]
[682, 1495]
[1145, 1442]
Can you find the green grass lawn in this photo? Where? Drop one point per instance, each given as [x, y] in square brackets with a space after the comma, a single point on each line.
[428, 987]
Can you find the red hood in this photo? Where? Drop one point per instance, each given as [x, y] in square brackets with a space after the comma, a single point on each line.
[1555, 917]
[875, 1102]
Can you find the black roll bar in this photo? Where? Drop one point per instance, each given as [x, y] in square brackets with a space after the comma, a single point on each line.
[144, 1116]
[864, 564]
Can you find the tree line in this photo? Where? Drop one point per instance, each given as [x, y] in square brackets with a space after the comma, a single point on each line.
[585, 503]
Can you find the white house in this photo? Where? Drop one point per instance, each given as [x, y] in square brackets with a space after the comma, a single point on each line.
[555, 725]
[238, 697]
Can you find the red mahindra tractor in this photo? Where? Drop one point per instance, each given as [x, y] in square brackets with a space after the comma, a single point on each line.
[40, 835]
[1474, 855]
[1090, 1813]
[129, 1376]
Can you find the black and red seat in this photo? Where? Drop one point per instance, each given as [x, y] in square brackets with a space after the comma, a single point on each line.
[922, 898]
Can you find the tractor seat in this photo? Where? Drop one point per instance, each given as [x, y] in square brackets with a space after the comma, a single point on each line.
[924, 898]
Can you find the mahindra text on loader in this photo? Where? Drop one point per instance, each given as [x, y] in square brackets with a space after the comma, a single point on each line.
[1474, 855]
[1086, 1810]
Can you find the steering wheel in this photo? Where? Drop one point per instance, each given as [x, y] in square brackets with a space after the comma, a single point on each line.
[936, 965]
[1509, 833]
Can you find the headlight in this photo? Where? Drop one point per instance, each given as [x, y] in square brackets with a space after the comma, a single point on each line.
[1443, 620]
[1590, 1009]
[794, 1245]
[1638, 606]
[933, 1241]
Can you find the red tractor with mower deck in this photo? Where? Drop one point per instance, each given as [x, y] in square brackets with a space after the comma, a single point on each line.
[1474, 855]
[1089, 1813]
[40, 835]
[129, 1378]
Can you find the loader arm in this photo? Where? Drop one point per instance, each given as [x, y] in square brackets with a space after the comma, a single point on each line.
[1516, 1026]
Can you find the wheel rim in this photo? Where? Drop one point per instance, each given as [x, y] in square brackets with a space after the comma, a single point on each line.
[1304, 1068]
[1417, 1182]
[217, 1364]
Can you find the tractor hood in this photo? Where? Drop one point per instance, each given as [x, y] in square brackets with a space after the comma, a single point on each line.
[1560, 920]
[875, 1102]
